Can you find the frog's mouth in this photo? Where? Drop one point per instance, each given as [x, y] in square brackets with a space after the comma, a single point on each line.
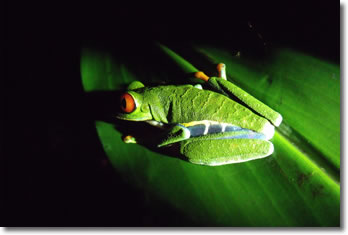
[136, 117]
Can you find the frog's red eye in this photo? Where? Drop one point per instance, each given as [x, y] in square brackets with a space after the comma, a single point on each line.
[127, 103]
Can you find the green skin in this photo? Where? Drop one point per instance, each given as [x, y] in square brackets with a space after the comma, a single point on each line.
[184, 104]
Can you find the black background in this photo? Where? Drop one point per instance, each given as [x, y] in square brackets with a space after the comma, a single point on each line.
[55, 170]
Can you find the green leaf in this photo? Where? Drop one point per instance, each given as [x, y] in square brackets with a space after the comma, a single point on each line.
[298, 185]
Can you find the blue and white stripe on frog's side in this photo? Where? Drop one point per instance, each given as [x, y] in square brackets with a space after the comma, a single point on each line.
[206, 127]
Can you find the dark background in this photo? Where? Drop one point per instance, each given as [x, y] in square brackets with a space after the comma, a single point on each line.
[55, 170]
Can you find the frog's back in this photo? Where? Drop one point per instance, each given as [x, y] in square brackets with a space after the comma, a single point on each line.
[184, 104]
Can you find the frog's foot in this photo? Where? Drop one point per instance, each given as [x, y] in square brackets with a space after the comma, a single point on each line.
[128, 139]
[221, 68]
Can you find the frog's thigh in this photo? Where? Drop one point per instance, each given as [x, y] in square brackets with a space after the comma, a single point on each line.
[215, 152]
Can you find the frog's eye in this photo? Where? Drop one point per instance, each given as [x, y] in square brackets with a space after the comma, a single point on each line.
[127, 103]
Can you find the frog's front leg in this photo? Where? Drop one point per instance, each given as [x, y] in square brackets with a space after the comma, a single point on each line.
[223, 86]
[224, 149]
[175, 134]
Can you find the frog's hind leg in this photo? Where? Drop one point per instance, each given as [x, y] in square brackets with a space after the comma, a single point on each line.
[222, 85]
[229, 89]
[214, 152]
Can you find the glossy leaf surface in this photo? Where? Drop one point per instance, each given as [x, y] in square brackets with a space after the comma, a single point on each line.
[298, 185]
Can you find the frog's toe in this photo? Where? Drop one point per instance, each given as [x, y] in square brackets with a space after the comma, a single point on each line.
[221, 68]
[201, 75]
[128, 139]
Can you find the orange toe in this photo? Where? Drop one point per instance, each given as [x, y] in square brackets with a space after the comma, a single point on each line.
[202, 76]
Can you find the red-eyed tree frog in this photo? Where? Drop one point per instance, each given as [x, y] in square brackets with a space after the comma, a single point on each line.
[210, 126]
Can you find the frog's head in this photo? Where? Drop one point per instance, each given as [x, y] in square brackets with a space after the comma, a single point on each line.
[132, 105]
